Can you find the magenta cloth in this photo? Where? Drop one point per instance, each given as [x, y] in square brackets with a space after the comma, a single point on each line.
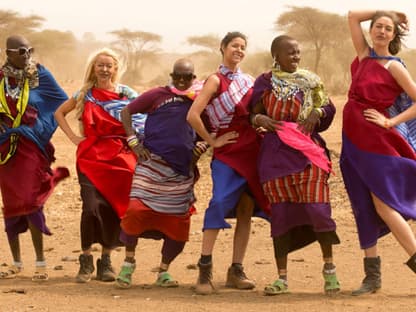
[192, 92]
[291, 136]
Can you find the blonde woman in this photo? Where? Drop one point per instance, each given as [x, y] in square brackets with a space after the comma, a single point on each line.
[105, 164]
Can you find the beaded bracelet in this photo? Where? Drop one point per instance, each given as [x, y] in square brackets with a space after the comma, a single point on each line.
[131, 137]
[132, 141]
[199, 149]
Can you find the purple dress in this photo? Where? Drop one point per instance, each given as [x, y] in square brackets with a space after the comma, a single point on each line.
[373, 159]
[297, 189]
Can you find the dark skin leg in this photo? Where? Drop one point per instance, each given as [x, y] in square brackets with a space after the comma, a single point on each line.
[15, 249]
[130, 254]
[281, 261]
[327, 251]
[37, 239]
[328, 262]
[282, 267]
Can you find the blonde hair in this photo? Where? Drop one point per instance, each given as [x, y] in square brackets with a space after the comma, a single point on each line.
[90, 79]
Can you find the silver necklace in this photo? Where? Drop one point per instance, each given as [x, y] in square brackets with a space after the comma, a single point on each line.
[12, 92]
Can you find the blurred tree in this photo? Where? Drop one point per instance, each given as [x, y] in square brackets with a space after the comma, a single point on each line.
[58, 51]
[12, 23]
[207, 57]
[89, 43]
[325, 43]
[136, 47]
[257, 63]
[409, 57]
[209, 42]
[319, 30]
[89, 37]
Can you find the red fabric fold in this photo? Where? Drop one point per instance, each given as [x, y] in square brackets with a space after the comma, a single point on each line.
[139, 218]
[27, 180]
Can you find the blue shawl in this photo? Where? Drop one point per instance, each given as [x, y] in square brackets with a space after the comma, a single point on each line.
[45, 98]
[402, 102]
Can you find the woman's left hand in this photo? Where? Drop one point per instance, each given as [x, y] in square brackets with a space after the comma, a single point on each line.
[308, 125]
[378, 118]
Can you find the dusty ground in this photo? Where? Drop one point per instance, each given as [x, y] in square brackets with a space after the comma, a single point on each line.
[61, 293]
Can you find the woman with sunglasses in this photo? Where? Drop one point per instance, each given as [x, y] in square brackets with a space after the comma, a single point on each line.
[105, 164]
[162, 197]
[236, 189]
[29, 95]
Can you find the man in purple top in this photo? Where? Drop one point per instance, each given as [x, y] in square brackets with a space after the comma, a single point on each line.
[162, 197]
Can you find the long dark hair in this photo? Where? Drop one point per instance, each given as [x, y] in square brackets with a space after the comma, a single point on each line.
[396, 44]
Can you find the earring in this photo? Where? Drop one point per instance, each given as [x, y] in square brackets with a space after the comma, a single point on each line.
[276, 65]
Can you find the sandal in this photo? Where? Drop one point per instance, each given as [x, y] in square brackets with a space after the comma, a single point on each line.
[331, 285]
[123, 279]
[11, 272]
[40, 274]
[165, 280]
[277, 288]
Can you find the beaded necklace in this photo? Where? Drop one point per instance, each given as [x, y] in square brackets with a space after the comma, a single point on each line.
[14, 93]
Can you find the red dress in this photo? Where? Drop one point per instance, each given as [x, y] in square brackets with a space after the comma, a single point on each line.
[104, 156]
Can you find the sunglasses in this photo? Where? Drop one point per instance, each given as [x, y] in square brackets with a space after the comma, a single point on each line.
[186, 77]
[22, 50]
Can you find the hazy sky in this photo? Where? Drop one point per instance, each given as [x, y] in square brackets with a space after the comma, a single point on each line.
[175, 20]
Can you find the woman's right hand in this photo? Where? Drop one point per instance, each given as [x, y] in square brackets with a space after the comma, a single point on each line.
[142, 153]
[226, 138]
[267, 123]
[77, 139]
[378, 118]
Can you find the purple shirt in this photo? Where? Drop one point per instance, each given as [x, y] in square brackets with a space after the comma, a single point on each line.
[167, 133]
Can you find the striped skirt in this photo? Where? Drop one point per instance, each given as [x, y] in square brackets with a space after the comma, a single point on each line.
[307, 186]
[160, 188]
